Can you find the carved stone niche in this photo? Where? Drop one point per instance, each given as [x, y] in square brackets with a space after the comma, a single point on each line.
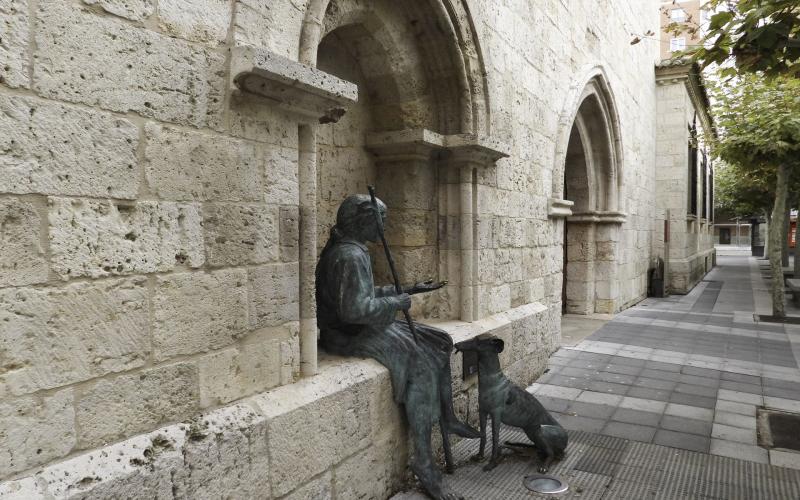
[430, 176]
[293, 86]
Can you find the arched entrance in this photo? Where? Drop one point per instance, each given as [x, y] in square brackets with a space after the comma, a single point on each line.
[416, 133]
[590, 180]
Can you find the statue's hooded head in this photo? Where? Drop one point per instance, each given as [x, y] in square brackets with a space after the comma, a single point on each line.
[356, 218]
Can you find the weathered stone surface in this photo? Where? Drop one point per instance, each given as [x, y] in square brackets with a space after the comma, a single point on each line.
[51, 337]
[183, 165]
[14, 62]
[196, 312]
[103, 238]
[23, 260]
[34, 430]
[284, 19]
[205, 21]
[50, 148]
[317, 422]
[372, 473]
[225, 456]
[135, 10]
[139, 467]
[133, 70]
[254, 366]
[274, 294]
[320, 488]
[241, 234]
[281, 185]
[125, 405]
[289, 233]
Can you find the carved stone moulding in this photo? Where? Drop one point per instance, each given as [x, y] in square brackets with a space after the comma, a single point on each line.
[558, 208]
[294, 86]
[421, 144]
[599, 217]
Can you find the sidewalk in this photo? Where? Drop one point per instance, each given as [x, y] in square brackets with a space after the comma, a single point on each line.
[661, 402]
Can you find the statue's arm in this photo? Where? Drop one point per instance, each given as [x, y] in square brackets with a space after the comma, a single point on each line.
[356, 297]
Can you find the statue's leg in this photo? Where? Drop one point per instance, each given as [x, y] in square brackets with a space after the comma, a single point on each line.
[422, 463]
[448, 452]
[483, 415]
[495, 459]
[454, 425]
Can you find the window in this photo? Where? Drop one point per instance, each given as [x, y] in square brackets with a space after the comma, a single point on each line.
[676, 44]
[677, 15]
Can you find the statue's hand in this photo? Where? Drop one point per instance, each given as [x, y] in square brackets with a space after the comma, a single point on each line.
[425, 286]
[402, 301]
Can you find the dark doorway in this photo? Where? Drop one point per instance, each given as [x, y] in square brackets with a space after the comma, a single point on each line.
[724, 236]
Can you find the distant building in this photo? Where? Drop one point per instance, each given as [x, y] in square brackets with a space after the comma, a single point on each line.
[686, 12]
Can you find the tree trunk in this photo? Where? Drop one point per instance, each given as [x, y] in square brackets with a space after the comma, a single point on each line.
[785, 246]
[776, 232]
[796, 273]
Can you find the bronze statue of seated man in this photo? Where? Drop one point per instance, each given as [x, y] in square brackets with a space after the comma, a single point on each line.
[356, 318]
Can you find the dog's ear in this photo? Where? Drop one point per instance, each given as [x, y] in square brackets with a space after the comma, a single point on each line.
[499, 345]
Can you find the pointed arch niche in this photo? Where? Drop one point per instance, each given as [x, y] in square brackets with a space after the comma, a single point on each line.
[419, 132]
[586, 196]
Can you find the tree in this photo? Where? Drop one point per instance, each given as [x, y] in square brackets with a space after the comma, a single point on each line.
[756, 36]
[759, 136]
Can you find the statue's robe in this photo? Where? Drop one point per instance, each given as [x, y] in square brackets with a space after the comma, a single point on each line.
[356, 318]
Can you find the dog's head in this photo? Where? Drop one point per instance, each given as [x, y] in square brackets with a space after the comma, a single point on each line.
[556, 437]
[485, 344]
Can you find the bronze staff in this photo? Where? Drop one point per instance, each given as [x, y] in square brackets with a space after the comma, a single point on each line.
[397, 287]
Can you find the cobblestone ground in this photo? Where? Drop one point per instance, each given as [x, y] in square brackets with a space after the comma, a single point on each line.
[661, 402]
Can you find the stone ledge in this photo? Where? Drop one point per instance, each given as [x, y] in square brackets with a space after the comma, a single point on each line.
[295, 86]
[558, 208]
[346, 414]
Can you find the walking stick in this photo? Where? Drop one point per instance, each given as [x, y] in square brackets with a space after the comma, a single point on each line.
[397, 286]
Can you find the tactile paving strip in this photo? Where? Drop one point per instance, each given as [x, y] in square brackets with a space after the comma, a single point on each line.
[621, 470]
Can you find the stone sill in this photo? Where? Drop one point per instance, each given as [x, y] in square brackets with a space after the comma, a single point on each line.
[263, 446]
[599, 217]
[558, 208]
[294, 86]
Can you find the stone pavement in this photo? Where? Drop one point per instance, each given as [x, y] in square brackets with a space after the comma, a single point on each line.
[661, 402]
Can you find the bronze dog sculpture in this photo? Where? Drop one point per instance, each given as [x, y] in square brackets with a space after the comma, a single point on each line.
[510, 404]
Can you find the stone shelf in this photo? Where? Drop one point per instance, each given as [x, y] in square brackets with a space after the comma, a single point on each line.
[558, 208]
[294, 86]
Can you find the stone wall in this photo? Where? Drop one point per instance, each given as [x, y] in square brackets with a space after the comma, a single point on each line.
[152, 266]
[691, 244]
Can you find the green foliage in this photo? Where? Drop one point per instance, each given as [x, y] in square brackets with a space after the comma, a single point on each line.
[759, 128]
[755, 35]
[758, 121]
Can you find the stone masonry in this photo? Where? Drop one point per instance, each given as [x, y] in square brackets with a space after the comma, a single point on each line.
[169, 170]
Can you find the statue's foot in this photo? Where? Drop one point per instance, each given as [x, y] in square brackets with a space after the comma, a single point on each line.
[461, 429]
[543, 469]
[431, 481]
[478, 457]
[491, 465]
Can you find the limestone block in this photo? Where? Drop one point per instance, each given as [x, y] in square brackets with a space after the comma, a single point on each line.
[274, 294]
[241, 234]
[197, 311]
[272, 25]
[205, 21]
[49, 148]
[225, 456]
[51, 337]
[139, 467]
[21, 489]
[14, 62]
[318, 421]
[136, 402]
[411, 228]
[252, 367]
[250, 119]
[102, 238]
[281, 186]
[320, 488]
[289, 233]
[134, 69]
[23, 260]
[35, 430]
[184, 165]
[370, 473]
[135, 10]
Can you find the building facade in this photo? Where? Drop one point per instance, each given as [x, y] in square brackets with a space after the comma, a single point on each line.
[687, 14]
[169, 174]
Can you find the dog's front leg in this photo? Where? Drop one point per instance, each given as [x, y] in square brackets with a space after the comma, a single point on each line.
[496, 419]
[483, 416]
